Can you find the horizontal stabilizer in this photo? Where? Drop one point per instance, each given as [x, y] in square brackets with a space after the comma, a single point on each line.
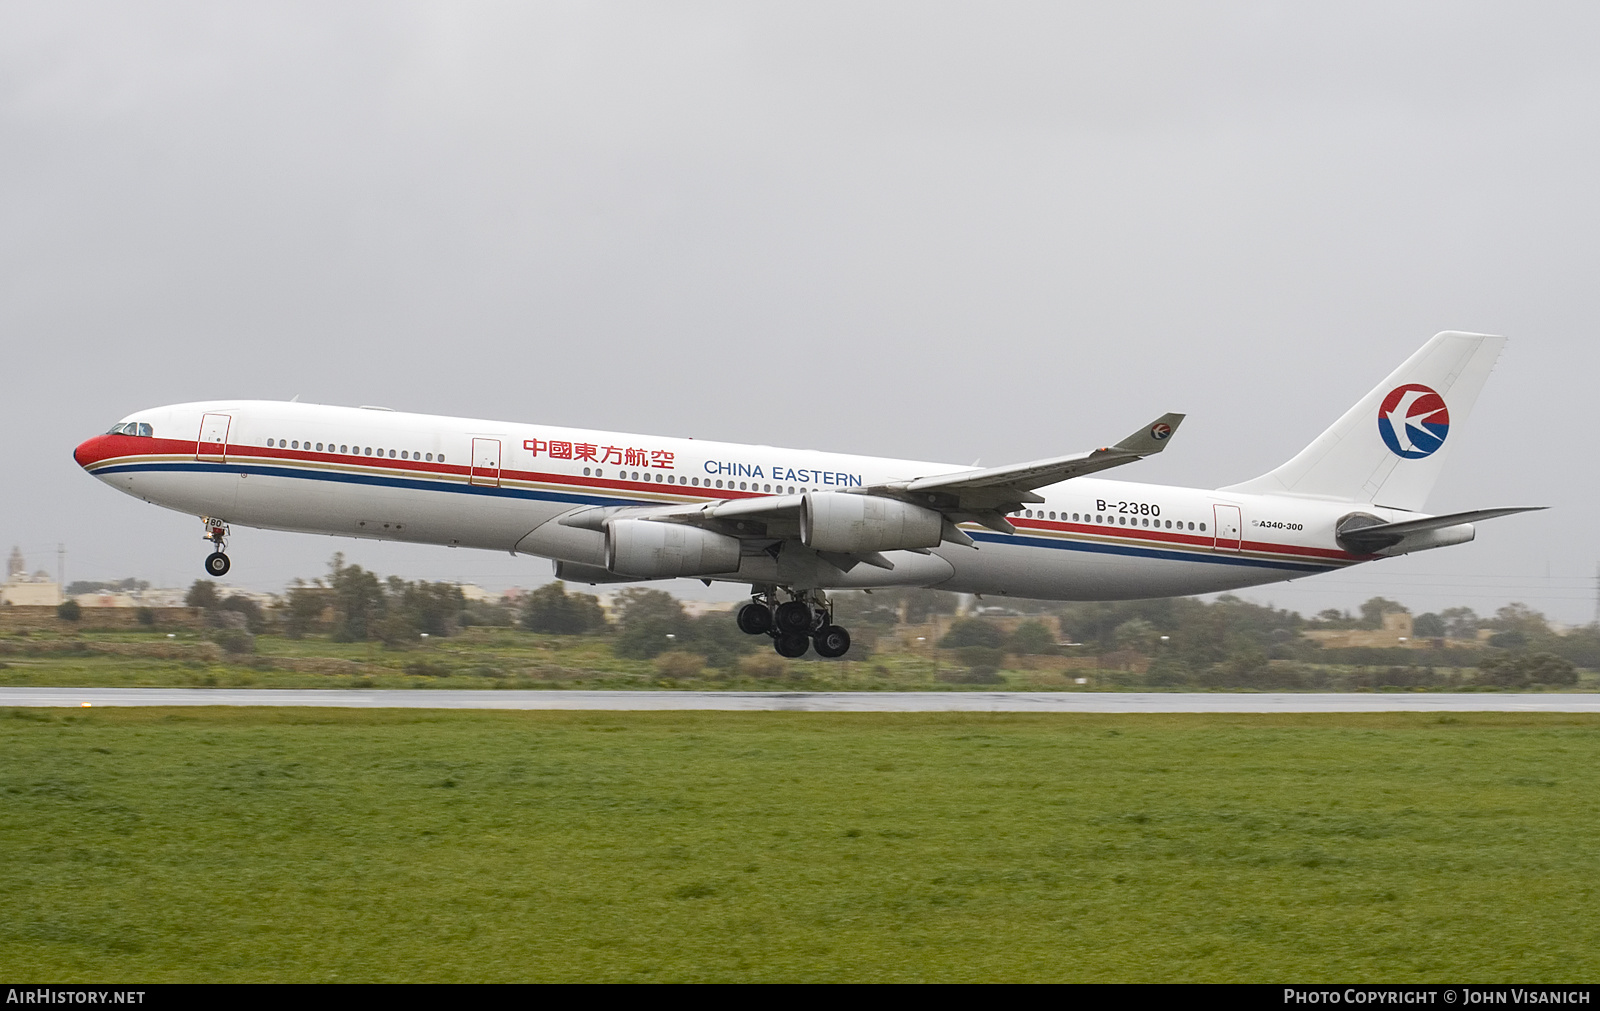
[1364, 534]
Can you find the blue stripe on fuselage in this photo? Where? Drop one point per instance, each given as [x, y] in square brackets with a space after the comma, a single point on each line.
[1141, 552]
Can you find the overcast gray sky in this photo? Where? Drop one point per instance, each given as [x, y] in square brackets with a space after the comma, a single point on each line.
[940, 231]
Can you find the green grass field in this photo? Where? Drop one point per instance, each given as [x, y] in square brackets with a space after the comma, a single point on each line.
[281, 844]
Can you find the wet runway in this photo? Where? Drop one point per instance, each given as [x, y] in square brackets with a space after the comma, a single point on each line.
[817, 702]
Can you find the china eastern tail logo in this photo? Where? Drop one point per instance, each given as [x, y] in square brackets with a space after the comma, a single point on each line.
[1413, 421]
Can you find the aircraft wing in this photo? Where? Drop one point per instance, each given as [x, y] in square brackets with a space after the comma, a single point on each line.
[981, 495]
[1013, 485]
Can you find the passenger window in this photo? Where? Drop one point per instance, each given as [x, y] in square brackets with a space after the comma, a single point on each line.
[694, 481]
[368, 452]
[586, 472]
[269, 443]
[430, 460]
[391, 454]
[719, 482]
[404, 455]
[295, 444]
[441, 458]
[319, 447]
[1202, 528]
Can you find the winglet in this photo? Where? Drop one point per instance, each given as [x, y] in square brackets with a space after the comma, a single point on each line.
[1152, 438]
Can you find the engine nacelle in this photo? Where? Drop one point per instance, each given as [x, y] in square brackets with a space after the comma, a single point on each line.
[661, 550]
[856, 524]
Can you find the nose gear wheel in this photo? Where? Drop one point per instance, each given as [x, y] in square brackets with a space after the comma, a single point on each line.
[217, 564]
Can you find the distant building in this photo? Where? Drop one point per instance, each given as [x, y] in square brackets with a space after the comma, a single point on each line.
[23, 590]
[1397, 630]
[700, 608]
[106, 599]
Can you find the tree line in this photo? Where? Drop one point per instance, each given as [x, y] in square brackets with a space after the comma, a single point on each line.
[1175, 641]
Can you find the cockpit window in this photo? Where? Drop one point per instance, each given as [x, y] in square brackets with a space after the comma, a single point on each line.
[138, 428]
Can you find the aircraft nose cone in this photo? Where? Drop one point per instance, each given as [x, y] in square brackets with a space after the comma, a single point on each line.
[91, 450]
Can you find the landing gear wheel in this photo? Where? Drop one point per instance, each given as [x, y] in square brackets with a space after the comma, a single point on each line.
[794, 617]
[754, 619]
[791, 644]
[831, 641]
[217, 564]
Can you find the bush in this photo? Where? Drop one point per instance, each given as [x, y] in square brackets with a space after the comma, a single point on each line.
[973, 632]
[428, 669]
[244, 605]
[678, 664]
[982, 665]
[764, 666]
[303, 610]
[1548, 669]
[552, 610]
[1167, 670]
[1508, 671]
[203, 593]
[234, 640]
[69, 610]
[1031, 638]
[146, 616]
[645, 640]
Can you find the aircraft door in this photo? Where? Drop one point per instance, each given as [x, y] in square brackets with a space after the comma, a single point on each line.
[1229, 522]
[485, 463]
[212, 446]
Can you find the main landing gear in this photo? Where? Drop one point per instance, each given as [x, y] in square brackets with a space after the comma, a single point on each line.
[217, 564]
[803, 622]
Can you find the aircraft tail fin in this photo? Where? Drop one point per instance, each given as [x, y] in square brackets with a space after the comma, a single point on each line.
[1390, 447]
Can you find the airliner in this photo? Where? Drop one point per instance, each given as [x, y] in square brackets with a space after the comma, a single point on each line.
[794, 524]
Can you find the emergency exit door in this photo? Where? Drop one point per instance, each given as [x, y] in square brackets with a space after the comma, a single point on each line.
[212, 446]
[485, 463]
[1228, 522]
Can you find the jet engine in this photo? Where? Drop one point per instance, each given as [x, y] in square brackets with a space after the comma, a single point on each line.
[858, 524]
[656, 550]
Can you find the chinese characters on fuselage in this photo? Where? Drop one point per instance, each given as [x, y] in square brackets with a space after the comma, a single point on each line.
[621, 456]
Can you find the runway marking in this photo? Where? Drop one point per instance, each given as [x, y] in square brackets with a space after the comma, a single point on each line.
[835, 702]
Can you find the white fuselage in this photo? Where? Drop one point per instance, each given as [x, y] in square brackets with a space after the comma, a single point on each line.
[384, 475]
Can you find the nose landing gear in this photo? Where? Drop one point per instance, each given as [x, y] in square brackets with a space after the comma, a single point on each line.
[217, 564]
[803, 622]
